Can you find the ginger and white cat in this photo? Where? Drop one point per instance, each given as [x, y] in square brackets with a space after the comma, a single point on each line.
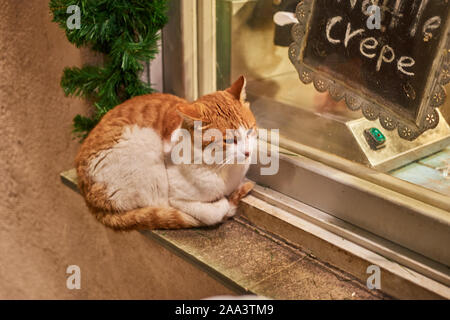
[129, 181]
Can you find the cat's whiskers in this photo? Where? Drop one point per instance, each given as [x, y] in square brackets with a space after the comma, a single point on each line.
[224, 163]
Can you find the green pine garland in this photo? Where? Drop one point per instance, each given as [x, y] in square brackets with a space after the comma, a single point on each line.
[126, 32]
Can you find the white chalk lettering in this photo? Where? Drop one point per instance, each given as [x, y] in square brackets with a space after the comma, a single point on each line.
[331, 23]
[396, 14]
[415, 25]
[405, 62]
[370, 46]
[349, 34]
[366, 4]
[430, 25]
[384, 57]
[365, 45]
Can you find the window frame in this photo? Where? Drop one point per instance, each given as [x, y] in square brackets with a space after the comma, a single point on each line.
[419, 218]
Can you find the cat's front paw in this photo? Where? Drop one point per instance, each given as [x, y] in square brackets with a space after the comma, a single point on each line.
[240, 193]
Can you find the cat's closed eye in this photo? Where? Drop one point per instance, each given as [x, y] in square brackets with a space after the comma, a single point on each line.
[252, 132]
[231, 140]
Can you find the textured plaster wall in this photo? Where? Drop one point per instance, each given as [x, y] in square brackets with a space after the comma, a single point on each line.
[44, 226]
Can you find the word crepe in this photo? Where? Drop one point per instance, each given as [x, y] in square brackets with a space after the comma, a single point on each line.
[384, 49]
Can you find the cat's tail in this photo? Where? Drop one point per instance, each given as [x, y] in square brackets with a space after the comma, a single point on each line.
[149, 218]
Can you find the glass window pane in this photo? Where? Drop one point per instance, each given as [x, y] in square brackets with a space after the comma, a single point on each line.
[253, 39]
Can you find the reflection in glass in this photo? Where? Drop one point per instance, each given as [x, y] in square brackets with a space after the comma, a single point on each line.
[249, 42]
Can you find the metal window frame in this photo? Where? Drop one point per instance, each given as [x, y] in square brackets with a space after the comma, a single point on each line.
[377, 204]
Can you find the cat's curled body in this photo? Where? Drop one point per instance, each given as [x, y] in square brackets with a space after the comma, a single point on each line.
[126, 174]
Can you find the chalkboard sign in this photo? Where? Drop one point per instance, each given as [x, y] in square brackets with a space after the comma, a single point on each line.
[388, 57]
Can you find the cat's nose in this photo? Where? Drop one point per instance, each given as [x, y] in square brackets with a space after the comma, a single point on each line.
[247, 154]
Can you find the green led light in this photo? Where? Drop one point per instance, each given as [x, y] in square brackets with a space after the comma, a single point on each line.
[377, 135]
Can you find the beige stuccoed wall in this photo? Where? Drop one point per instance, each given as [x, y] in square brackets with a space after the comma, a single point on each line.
[44, 226]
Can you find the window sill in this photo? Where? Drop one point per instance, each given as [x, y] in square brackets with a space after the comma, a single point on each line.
[248, 254]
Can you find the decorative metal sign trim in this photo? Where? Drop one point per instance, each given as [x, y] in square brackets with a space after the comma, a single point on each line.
[410, 123]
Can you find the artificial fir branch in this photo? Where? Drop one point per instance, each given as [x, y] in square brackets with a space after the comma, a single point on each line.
[126, 32]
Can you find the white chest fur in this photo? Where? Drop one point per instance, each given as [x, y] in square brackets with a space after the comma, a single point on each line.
[202, 182]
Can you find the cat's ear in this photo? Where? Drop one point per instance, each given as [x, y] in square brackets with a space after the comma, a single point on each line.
[190, 112]
[237, 89]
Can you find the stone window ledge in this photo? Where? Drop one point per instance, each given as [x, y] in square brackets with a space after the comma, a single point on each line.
[247, 258]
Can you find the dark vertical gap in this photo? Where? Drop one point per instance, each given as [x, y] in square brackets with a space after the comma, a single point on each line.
[172, 47]
[223, 43]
